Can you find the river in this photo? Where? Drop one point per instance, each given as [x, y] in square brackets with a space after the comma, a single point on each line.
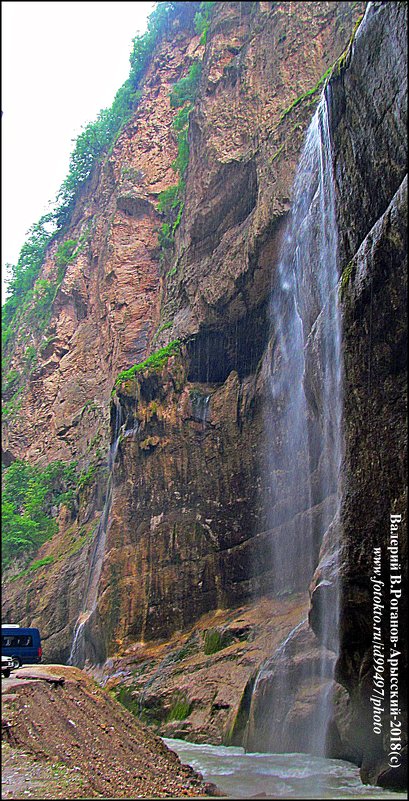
[245, 775]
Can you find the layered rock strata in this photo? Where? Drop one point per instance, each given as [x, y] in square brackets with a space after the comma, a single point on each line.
[262, 64]
[188, 532]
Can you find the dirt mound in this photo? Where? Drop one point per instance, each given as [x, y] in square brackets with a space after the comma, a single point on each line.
[78, 742]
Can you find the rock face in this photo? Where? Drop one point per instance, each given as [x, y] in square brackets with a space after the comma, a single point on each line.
[286, 695]
[188, 532]
[368, 104]
[196, 685]
[107, 306]
[245, 132]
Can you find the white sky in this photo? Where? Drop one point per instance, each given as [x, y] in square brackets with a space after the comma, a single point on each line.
[62, 62]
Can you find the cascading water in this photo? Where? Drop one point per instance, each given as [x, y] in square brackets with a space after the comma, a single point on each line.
[78, 649]
[304, 417]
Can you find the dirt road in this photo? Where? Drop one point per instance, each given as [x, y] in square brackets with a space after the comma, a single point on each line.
[65, 737]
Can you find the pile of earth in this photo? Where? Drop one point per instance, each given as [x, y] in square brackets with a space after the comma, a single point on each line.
[65, 737]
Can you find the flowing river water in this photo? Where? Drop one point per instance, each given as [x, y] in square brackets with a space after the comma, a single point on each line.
[245, 775]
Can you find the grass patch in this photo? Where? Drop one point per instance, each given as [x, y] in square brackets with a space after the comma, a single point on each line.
[215, 640]
[181, 709]
[127, 699]
[48, 560]
[309, 94]
[154, 362]
[345, 279]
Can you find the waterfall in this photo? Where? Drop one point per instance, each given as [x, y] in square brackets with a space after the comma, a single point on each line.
[303, 422]
[78, 649]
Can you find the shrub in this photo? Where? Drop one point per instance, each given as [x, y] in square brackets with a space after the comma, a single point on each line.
[65, 252]
[86, 477]
[185, 89]
[30, 357]
[39, 314]
[153, 362]
[11, 379]
[29, 494]
[25, 272]
[215, 640]
[181, 709]
[202, 20]
[12, 406]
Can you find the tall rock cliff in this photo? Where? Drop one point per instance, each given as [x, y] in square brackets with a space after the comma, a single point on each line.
[261, 69]
[369, 119]
[187, 528]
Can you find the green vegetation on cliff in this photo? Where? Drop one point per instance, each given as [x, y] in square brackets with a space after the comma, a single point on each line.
[171, 200]
[99, 137]
[25, 272]
[154, 362]
[30, 497]
[91, 146]
[202, 20]
[182, 96]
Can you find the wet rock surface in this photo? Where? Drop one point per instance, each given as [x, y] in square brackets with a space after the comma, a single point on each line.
[368, 104]
[188, 533]
[245, 130]
[197, 685]
[286, 699]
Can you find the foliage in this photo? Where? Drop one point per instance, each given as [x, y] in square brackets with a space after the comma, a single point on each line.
[127, 699]
[182, 96]
[202, 20]
[168, 199]
[45, 344]
[181, 126]
[153, 362]
[25, 272]
[98, 137]
[30, 357]
[185, 90]
[171, 205]
[28, 497]
[180, 710]
[95, 141]
[161, 329]
[12, 406]
[47, 560]
[65, 252]
[10, 381]
[344, 58]
[215, 640]
[39, 313]
[86, 477]
[345, 279]
[306, 95]
[171, 201]
[182, 159]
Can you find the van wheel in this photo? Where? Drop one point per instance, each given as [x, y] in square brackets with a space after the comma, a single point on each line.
[16, 662]
[6, 673]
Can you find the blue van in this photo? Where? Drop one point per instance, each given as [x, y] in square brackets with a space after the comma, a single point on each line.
[22, 644]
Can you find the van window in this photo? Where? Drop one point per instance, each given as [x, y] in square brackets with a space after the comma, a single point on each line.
[16, 641]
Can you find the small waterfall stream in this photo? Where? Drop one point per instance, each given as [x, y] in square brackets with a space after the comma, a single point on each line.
[77, 655]
[305, 410]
